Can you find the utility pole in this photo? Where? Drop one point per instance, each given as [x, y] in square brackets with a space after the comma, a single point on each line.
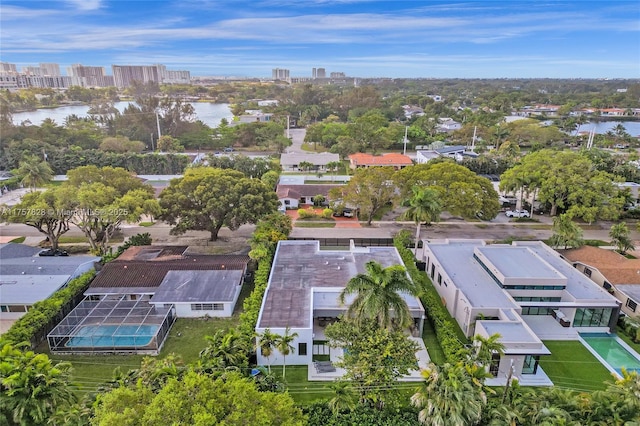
[152, 148]
[406, 129]
[506, 387]
[158, 123]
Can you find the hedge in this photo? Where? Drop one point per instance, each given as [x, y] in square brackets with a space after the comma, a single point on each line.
[34, 326]
[447, 330]
[253, 302]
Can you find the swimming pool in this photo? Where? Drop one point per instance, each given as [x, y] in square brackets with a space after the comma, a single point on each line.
[106, 335]
[613, 351]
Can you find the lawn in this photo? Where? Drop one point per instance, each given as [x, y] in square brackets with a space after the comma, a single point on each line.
[432, 344]
[299, 224]
[186, 339]
[572, 366]
[636, 346]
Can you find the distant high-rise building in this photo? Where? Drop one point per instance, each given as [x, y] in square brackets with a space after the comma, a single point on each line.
[32, 71]
[89, 76]
[125, 75]
[321, 73]
[50, 69]
[337, 75]
[314, 72]
[6, 67]
[280, 74]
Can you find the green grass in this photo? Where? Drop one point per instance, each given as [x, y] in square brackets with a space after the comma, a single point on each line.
[299, 387]
[636, 346]
[572, 366]
[299, 224]
[146, 224]
[309, 147]
[18, 240]
[68, 239]
[432, 344]
[382, 211]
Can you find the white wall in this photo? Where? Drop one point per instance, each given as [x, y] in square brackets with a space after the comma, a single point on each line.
[305, 335]
[183, 310]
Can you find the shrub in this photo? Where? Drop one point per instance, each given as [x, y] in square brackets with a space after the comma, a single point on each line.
[446, 330]
[306, 214]
[327, 213]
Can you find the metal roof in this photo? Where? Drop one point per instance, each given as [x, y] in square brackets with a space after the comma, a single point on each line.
[198, 286]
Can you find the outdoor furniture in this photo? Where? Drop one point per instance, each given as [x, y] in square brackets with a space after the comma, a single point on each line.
[324, 366]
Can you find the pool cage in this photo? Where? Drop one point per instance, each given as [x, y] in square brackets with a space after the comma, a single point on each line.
[113, 324]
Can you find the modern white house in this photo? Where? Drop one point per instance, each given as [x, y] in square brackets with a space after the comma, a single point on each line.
[303, 291]
[526, 292]
[27, 278]
[457, 152]
[291, 161]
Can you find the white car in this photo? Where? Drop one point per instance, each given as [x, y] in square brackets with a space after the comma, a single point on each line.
[517, 213]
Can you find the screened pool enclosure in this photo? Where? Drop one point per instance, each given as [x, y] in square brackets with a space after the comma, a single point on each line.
[113, 324]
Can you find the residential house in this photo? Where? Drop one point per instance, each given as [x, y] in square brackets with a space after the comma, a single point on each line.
[411, 111]
[447, 125]
[526, 292]
[457, 152]
[612, 271]
[27, 278]
[303, 294]
[295, 196]
[290, 162]
[361, 160]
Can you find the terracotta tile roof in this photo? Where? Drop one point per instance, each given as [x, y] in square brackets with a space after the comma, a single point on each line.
[155, 253]
[616, 268]
[392, 159]
[150, 273]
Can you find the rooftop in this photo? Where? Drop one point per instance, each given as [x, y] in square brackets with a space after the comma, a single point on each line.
[392, 159]
[299, 266]
[198, 286]
[317, 159]
[616, 268]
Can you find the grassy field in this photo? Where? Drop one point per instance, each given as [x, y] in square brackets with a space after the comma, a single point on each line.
[572, 366]
[299, 224]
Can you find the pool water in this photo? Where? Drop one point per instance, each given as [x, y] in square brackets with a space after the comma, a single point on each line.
[610, 349]
[113, 336]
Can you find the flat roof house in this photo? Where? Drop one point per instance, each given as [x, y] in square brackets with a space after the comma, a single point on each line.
[290, 161]
[303, 291]
[133, 301]
[525, 291]
[612, 271]
[27, 278]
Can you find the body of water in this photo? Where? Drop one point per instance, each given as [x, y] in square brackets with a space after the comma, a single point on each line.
[612, 349]
[209, 113]
[633, 127]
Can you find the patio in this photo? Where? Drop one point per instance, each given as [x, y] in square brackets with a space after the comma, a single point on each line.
[548, 328]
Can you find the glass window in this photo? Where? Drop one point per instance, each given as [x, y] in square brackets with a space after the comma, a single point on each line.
[530, 365]
[631, 305]
[592, 317]
[302, 348]
[587, 272]
[433, 270]
[439, 278]
[495, 364]
[17, 308]
[4, 308]
[218, 306]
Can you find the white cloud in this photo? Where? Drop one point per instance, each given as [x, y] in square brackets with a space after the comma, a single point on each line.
[85, 5]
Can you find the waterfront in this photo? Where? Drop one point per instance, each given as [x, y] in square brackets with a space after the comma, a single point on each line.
[209, 113]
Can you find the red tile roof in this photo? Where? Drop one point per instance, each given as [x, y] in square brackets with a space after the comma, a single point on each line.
[616, 268]
[392, 159]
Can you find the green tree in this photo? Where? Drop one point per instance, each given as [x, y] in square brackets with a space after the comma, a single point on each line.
[424, 206]
[333, 166]
[42, 211]
[167, 143]
[285, 347]
[305, 166]
[207, 199]
[461, 192]
[374, 358]
[33, 172]
[270, 179]
[32, 387]
[269, 230]
[369, 190]
[620, 237]
[343, 398]
[449, 396]
[377, 296]
[486, 347]
[121, 144]
[566, 233]
[267, 342]
[225, 349]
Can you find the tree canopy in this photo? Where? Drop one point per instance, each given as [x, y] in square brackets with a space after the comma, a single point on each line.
[207, 199]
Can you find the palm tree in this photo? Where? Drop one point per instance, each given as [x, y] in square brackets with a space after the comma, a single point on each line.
[424, 206]
[226, 349]
[267, 343]
[33, 389]
[449, 396]
[565, 233]
[377, 295]
[284, 346]
[619, 234]
[333, 166]
[34, 172]
[486, 347]
[305, 166]
[344, 398]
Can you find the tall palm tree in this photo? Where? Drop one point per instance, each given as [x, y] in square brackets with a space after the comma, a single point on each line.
[34, 172]
[333, 166]
[284, 346]
[377, 295]
[267, 343]
[449, 396]
[565, 232]
[619, 234]
[424, 206]
[226, 349]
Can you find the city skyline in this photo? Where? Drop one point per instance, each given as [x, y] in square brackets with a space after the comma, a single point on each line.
[473, 39]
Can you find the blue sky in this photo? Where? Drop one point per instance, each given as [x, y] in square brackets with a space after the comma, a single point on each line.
[472, 39]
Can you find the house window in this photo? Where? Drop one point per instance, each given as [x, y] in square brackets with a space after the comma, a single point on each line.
[202, 306]
[631, 305]
[302, 348]
[218, 306]
[4, 308]
[433, 270]
[439, 278]
[495, 364]
[587, 272]
[17, 308]
[287, 202]
[530, 365]
[606, 285]
[592, 317]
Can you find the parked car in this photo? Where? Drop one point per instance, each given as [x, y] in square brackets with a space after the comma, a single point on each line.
[517, 213]
[347, 213]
